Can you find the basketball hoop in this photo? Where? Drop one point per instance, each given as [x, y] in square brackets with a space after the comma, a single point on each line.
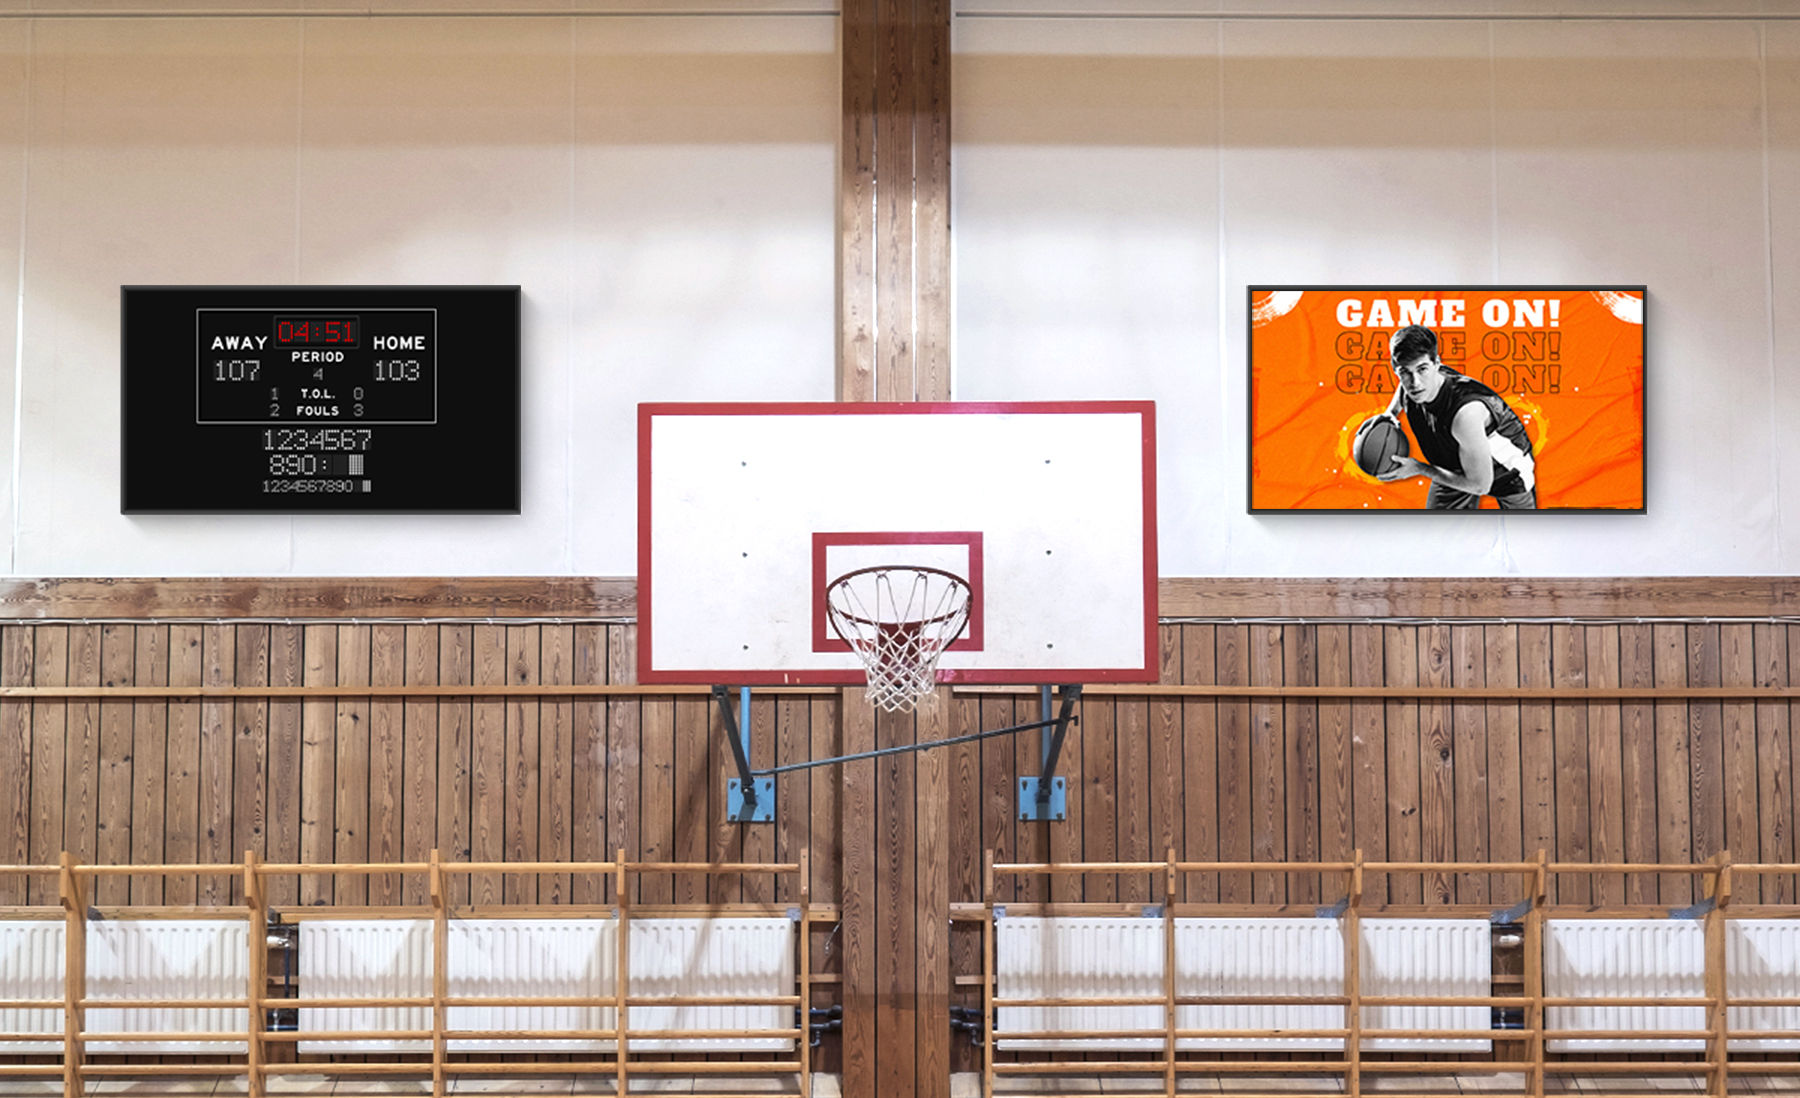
[898, 620]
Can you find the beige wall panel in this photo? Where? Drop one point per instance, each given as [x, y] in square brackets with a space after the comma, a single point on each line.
[15, 67]
[1633, 154]
[161, 152]
[1783, 85]
[703, 237]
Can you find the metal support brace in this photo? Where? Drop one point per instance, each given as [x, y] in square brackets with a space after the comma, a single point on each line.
[1045, 796]
[749, 799]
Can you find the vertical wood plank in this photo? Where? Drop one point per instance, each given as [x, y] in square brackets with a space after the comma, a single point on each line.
[1774, 757]
[1737, 667]
[49, 747]
[793, 742]
[1065, 839]
[420, 798]
[181, 795]
[16, 659]
[1537, 745]
[1098, 820]
[624, 742]
[1437, 762]
[1164, 740]
[587, 840]
[523, 752]
[1025, 841]
[218, 649]
[930, 1003]
[1368, 724]
[250, 741]
[286, 766]
[1606, 764]
[556, 789]
[1337, 764]
[757, 844]
[656, 797]
[856, 223]
[896, 907]
[1506, 819]
[456, 756]
[318, 764]
[702, 734]
[1638, 723]
[1706, 744]
[1468, 668]
[858, 892]
[82, 761]
[149, 756]
[487, 764]
[113, 827]
[351, 714]
[1674, 773]
[1300, 658]
[1200, 762]
[387, 761]
[1268, 772]
[1131, 730]
[1568, 660]
[827, 827]
[1400, 646]
[1231, 654]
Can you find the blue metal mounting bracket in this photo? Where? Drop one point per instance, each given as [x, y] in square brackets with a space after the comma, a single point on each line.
[1045, 797]
[748, 799]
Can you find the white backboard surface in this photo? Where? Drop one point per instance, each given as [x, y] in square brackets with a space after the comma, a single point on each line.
[747, 511]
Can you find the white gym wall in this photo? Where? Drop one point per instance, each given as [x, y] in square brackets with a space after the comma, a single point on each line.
[663, 189]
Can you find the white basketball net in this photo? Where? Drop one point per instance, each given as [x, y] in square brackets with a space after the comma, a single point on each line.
[898, 620]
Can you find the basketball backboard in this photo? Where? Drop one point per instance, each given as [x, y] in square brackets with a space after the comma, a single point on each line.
[747, 512]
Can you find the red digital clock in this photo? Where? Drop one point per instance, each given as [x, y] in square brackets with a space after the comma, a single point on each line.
[317, 331]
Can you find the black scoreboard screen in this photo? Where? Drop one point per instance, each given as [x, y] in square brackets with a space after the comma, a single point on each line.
[320, 398]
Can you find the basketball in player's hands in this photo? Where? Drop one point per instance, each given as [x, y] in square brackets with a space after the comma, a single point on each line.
[1377, 441]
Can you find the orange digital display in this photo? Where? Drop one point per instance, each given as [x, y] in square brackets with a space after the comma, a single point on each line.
[1505, 397]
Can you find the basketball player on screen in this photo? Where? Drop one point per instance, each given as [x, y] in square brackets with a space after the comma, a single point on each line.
[1471, 439]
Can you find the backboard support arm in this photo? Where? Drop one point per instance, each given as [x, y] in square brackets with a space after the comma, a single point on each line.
[1045, 797]
[749, 799]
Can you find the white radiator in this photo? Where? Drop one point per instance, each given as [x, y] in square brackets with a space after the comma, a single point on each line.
[167, 959]
[1667, 958]
[31, 967]
[1102, 957]
[542, 957]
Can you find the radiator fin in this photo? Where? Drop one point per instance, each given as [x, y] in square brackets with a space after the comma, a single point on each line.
[167, 959]
[31, 967]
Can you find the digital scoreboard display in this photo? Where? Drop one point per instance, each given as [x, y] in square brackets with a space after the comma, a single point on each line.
[320, 399]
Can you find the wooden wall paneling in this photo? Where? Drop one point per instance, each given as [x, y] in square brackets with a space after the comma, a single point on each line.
[624, 742]
[704, 764]
[218, 655]
[930, 993]
[1638, 724]
[1100, 793]
[823, 783]
[1568, 669]
[250, 735]
[49, 748]
[1064, 840]
[1236, 804]
[1135, 799]
[1537, 747]
[1200, 759]
[859, 902]
[524, 752]
[1300, 720]
[1774, 757]
[387, 761]
[1706, 743]
[419, 731]
[285, 769]
[931, 220]
[113, 796]
[318, 764]
[793, 744]
[896, 938]
[1505, 809]
[1737, 667]
[455, 755]
[1164, 742]
[351, 825]
[1400, 646]
[967, 830]
[487, 765]
[1021, 756]
[1438, 763]
[856, 212]
[1368, 725]
[655, 805]
[181, 795]
[1268, 770]
[587, 765]
[1337, 764]
[81, 777]
[1606, 763]
[556, 781]
[1468, 722]
[896, 300]
[1674, 771]
[16, 659]
[757, 844]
